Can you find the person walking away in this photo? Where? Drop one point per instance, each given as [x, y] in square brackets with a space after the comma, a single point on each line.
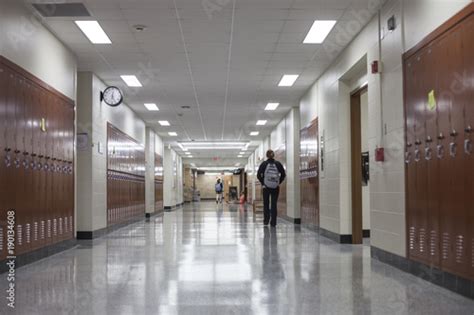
[219, 189]
[270, 174]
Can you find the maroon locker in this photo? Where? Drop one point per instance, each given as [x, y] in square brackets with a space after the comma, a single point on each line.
[452, 198]
[3, 170]
[468, 139]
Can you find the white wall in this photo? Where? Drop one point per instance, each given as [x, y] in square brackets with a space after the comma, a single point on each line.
[153, 144]
[364, 117]
[24, 41]
[92, 119]
[415, 19]
[292, 139]
[172, 178]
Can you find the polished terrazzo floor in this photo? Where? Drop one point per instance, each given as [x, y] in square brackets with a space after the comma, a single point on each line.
[208, 259]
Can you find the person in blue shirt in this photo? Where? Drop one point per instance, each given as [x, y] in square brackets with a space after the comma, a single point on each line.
[219, 190]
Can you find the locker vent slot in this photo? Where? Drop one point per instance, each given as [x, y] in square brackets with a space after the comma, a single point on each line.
[412, 238]
[35, 231]
[422, 240]
[66, 226]
[55, 227]
[48, 229]
[60, 226]
[1, 239]
[459, 249]
[433, 243]
[472, 253]
[19, 234]
[61, 9]
[445, 246]
[70, 224]
[28, 233]
[42, 230]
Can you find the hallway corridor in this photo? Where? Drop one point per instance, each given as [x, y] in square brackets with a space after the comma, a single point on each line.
[209, 259]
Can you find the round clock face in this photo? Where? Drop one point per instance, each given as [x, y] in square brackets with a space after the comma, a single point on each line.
[112, 96]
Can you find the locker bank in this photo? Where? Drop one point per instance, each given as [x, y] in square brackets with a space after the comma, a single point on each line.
[119, 117]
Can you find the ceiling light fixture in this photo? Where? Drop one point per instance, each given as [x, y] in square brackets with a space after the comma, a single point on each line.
[288, 80]
[172, 134]
[151, 107]
[319, 31]
[93, 32]
[254, 133]
[131, 80]
[164, 123]
[272, 106]
[261, 123]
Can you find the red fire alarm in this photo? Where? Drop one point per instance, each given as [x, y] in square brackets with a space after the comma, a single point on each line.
[379, 155]
[375, 67]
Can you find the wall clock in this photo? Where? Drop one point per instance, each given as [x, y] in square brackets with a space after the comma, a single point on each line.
[112, 96]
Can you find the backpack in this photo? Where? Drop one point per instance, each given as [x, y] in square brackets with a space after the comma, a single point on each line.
[218, 187]
[271, 177]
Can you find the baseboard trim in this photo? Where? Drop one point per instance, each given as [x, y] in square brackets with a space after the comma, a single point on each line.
[290, 219]
[38, 254]
[338, 238]
[172, 208]
[431, 274]
[311, 227]
[152, 214]
[90, 235]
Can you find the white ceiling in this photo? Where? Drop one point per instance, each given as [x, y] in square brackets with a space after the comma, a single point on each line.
[223, 58]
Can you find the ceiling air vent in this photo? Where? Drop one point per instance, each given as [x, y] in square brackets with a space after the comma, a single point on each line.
[61, 9]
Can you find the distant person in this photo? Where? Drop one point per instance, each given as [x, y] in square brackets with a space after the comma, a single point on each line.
[270, 174]
[219, 190]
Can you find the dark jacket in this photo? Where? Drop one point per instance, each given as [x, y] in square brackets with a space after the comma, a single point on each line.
[222, 188]
[263, 166]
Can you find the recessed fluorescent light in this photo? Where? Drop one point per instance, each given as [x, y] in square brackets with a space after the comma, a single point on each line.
[131, 80]
[241, 153]
[254, 133]
[237, 164]
[189, 156]
[239, 156]
[151, 107]
[164, 123]
[288, 80]
[319, 31]
[272, 106]
[187, 153]
[261, 123]
[173, 134]
[94, 32]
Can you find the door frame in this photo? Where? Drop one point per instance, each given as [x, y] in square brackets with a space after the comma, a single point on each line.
[356, 162]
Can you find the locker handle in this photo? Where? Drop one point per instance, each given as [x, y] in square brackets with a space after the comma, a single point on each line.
[468, 129]
[417, 142]
[17, 151]
[453, 133]
[8, 149]
[54, 159]
[40, 156]
[428, 154]
[440, 136]
[25, 153]
[417, 155]
[468, 146]
[47, 158]
[428, 139]
[452, 149]
[409, 145]
[440, 151]
[33, 154]
[407, 157]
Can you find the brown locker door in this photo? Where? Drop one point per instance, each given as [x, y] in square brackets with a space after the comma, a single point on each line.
[35, 98]
[41, 169]
[468, 52]
[26, 164]
[431, 59]
[71, 166]
[452, 167]
[3, 169]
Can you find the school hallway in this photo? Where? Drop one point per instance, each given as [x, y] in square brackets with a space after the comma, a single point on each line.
[209, 259]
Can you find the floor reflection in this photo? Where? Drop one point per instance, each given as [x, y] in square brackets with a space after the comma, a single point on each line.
[208, 259]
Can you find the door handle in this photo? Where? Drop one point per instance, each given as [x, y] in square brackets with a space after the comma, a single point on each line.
[417, 155]
[407, 157]
[428, 154]
[440, 151]
[468, 146]
[453, 149]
